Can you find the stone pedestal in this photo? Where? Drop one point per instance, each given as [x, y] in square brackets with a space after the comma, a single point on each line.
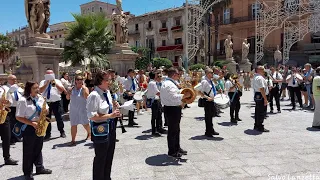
[245, 65]
[122, 58]
[232, 65]
[40, 54]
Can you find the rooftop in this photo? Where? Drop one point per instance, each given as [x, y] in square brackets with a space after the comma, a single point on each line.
[96, 1]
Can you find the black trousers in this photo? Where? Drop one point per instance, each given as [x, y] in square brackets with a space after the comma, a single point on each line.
[209, 112]
[130, 113]
[156, 117]
[32, 151]
[13, 121]
[275, 94]
[55, 107]
[234, 105]
[266, 107]
[5, 133]
[104, 152]
[295, 91]
[165, 117]
[173, 114]
[65, 102]
[259, 112]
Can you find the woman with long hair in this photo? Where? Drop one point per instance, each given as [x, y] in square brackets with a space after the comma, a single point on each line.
[28, 111]
[78, 111]
[65, 80]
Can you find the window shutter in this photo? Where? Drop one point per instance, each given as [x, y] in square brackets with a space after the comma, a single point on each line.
[250, 15]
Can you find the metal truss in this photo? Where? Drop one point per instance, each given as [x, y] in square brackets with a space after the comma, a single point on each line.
[195, 11]
[296, 17]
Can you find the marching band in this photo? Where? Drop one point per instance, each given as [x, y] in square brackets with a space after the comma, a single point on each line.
[95, 103]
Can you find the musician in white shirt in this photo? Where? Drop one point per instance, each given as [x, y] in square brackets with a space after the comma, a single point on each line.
[51, 89]
[153, 97]
[275, 91]
[268, 88]
[234, 95]
[209, 91]
[171, 99]
[293, 81]
[131, 86]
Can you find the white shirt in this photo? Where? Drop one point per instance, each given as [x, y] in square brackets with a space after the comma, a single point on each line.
[66, 84]
[54, 92]
[128, 85]
[296, 77]
[12, 90]
[152, 90]
[258, 82]
[97, 103]
[170, 93]
[268, 83]
[207, 87]
[277, 76]
[26, 108]
[229, 85]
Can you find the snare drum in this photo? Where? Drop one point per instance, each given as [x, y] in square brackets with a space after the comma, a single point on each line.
[222, 101]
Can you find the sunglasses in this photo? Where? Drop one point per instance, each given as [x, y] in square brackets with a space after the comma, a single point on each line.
[79, 79]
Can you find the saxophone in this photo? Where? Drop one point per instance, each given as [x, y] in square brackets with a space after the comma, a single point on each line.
[4, 110]
[43, 120]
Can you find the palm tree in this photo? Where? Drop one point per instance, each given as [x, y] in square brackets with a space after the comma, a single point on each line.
[89, 38]
[7, 48]
[217, 9]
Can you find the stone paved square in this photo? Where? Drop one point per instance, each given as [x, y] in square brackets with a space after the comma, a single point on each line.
[239, 152]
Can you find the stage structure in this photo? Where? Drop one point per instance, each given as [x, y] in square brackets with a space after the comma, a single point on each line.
[296, 17]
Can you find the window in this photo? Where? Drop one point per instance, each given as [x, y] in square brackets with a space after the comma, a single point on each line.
[60, 36]
[149, 24]
[51, 37]
[61, 45]
[164, 24]
[163, 42]
[101, 9]
[178, 41]
[137, 43]
[222, 47]
[254, 9]
[176, 58]
[137, 27]
[226, 16]
[178, 22]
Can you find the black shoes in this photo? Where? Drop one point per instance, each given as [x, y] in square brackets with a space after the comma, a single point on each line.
[279, 111]
[261, 129]
[47, 137]
[156, 134]
[11, 162]
[208, 135]
[238, 119]
[29, 177]
[217, 115]
[176, 155]
[132, 124]
[63, 135]
[183, 152]
[43, 171]
[215, 133]
[162, 131]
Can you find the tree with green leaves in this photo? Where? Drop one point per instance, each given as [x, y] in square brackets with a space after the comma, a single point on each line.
[7, 49]
[217, 9]
[143, 60]
[89, 39]
[158, 62]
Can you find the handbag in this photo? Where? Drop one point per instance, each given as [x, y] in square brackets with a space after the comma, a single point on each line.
[202, 101]
[149, 102]
[100, 131]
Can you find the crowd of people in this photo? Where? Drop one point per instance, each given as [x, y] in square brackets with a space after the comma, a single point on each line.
[95, 103]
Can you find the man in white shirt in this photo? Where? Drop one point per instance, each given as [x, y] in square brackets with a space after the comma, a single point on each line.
[293, 81]
[171, 99]
[234, 95]
[268, 88]
[51, 88]
[275, 91]
[260, 99]
[15, 92]
[153, 97]
[131, 86]
[209, 91]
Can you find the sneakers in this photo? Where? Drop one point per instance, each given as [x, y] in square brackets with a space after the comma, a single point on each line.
[10, 162]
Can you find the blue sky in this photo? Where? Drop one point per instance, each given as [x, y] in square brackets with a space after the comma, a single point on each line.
[12, 14]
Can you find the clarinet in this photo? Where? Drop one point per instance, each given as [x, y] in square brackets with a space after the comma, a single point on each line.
[119, 118]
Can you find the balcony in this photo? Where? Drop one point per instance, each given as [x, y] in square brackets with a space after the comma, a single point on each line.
[163, 30]
[178, 47]
[237, 20]
[176, 28]
[134, 33]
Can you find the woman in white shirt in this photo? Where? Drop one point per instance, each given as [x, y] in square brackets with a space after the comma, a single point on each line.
[65, 80]
[28, 111]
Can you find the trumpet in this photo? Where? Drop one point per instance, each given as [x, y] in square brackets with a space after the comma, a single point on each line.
[236, 84]
[53, 83]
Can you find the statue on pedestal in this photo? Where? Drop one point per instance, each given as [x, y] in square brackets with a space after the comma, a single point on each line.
[228, 45]
[277, 56]
[119, 5]
[121, 19]
[38, 16]
[245, 51]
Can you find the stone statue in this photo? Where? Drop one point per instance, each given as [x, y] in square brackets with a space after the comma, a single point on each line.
[245, 50]
[277, 55]
[38, 15]
[124, 29]
[228, 48]
[119, 5]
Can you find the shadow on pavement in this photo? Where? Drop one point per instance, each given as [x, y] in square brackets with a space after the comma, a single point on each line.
[227, 124]
[312, 129]
[252, 132]
[67, 144]
[52, 138]
[126, 126]
[199, 118]
[163, 160]
[203, 137]
[147, 131]
[90, 145]
[144, 137]
[17, 178]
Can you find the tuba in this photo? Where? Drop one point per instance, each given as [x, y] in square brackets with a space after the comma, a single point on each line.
[43, 120]
[4, 109]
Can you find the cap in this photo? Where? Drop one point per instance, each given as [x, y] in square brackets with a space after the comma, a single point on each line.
[78, 72]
